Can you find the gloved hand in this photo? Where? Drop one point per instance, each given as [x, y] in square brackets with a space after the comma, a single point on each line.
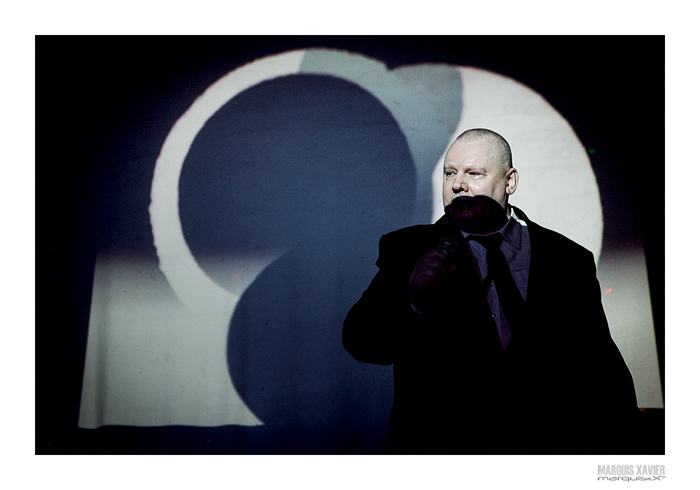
[478, 214]
[428, 279]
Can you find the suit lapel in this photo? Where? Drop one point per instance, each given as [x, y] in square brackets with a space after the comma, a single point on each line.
[536, 256]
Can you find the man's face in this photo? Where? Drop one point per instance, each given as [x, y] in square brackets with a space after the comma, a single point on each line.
[473, 168]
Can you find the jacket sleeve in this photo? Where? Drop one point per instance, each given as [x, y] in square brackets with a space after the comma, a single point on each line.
[383, 320]
[572, 338]
[609, 382]
[606, 398]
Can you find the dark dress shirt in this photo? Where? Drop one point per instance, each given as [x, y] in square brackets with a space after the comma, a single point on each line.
[516, 249]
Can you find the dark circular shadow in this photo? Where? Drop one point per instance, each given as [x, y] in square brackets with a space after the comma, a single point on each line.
[294, 159]
[318, 166]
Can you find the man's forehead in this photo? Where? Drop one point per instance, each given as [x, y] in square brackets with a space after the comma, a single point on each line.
[478, 154]
[477, 145]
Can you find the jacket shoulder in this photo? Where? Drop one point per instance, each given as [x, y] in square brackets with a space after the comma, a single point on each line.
[410, 243]
[556, 239]
[554, 246]
[408, 234]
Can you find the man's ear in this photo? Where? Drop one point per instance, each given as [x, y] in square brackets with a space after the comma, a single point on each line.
[511, 181]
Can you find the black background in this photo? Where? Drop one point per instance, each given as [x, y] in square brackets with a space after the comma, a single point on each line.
[100, 98]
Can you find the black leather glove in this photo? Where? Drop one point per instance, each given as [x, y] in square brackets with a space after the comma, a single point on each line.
[478, 214]
[429, 278]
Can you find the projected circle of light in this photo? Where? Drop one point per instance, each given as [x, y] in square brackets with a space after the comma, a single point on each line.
[557, 186]
[191, 284]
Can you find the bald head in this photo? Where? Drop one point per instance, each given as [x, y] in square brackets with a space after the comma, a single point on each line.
[479, 163]
[501, 146]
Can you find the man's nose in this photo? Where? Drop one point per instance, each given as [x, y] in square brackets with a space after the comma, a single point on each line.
[460, 183]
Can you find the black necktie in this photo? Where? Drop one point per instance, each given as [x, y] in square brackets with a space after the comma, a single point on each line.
[508, 294]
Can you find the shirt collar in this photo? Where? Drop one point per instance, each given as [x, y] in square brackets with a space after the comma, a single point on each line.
[512, 231]
[514, 215]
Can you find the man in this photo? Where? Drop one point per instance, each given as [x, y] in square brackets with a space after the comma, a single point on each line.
[494, 326]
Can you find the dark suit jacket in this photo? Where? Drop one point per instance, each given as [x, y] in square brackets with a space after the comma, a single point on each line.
[561, 387]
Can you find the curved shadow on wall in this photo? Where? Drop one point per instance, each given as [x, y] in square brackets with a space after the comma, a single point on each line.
[316, 165]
